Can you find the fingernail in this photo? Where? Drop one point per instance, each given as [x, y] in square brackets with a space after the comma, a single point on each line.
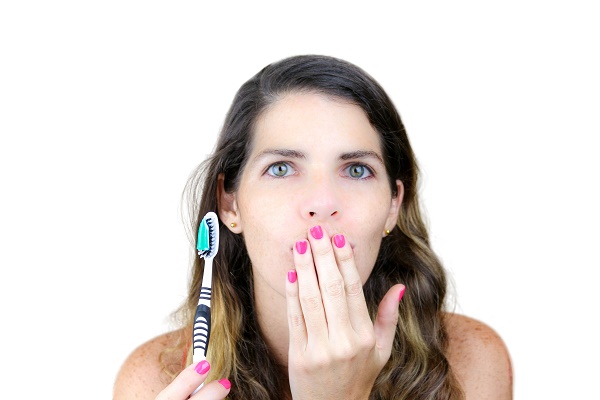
[225, 383]
[339, 241]
[401, 293]
[292, 276]
[301, 246]
[202, 367]
[316, 232]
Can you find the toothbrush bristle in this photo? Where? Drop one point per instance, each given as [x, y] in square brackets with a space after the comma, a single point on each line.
[208, 242]
[203, 242]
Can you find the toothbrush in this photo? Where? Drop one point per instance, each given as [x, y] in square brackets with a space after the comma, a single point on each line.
[207, 246]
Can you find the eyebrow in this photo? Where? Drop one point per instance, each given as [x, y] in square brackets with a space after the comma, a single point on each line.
[289, 153]
[353, 155]
[281, 152]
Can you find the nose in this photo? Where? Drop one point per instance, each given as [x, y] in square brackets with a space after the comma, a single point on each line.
[321, 201]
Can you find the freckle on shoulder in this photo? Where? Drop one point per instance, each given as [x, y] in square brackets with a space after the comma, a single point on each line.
[479, 358]
[143, 373]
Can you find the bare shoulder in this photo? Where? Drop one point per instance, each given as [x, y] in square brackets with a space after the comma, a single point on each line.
[479, 358]
[147, 369]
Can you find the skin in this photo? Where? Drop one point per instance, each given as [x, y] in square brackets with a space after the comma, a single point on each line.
[332, 179]
[313, 205]
[310, 138]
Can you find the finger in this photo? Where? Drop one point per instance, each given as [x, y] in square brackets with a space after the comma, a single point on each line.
[387, 320]
[353, 286]
[331, 283]
[296, 324]
[186, 382]
[308, 292]
[215, 390]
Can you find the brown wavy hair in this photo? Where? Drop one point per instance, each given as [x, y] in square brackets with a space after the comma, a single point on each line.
[417, 368]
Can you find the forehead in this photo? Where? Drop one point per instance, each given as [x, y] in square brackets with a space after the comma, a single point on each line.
[310, 120]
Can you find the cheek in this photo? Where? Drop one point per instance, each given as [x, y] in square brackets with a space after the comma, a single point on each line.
[265, 230]
[366, 255]
[262, 218]
[368, 234]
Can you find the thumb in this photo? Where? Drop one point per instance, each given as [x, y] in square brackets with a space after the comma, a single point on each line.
[387, 320]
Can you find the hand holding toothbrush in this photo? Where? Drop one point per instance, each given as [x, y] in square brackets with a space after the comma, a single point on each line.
[190, 382]
[335, 350]
[189, 379]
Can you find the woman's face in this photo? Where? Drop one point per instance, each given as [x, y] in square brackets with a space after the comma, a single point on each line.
[314, 161]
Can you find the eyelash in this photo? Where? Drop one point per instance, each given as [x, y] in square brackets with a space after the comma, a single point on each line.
[288, 165]
[368, 169]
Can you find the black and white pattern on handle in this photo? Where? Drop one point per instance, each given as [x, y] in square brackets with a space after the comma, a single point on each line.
[201, 329]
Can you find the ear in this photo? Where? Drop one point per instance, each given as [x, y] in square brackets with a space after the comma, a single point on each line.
[396, 203]
[228, 210]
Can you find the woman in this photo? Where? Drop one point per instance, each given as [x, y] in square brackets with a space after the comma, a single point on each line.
[325, 285]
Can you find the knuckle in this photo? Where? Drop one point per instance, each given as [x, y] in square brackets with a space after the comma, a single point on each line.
[311, 303]
[354, 289]
[390, 319]
[335, 288]
[345, 351]
[302, 368]
[321, 360]
[303, 265]
[296, 320]
[322, 250]
[345, 256]
[367, 341]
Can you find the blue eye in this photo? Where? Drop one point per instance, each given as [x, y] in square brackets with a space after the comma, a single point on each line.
[359, 171]
[280, 169]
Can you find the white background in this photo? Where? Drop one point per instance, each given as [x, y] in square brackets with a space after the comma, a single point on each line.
[106, 107]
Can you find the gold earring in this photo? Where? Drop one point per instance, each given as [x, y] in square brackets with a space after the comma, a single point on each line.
[387, 232]
[233, 225]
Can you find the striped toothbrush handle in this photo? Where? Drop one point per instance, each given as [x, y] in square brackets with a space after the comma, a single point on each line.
[201, 328]
[202, 325]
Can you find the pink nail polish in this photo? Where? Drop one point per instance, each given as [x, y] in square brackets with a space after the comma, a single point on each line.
[339, 241]
[225, 383]
[292, 276]
[316, 232]
[301, 246]
[401, 294]
[202, 367]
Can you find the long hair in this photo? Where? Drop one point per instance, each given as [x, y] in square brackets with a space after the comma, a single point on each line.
[417, 368]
